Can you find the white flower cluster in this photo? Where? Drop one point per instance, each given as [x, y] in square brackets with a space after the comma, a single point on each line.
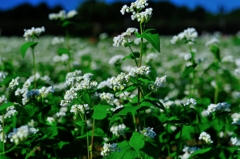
[235, 141]
[115, 59]
[3, 99]
[150, 56]
[122, 39]
[20, 134]
[62, 15]
[2, 75]
[79, 108]
[159, 82]
[108, 148]
[220, 107]
[236, 118]
[10, 112]
[78, 83]
[51, 120]
[109, 97]
[205, 137]
[213, 41]
[57, 40]
[119, 82]
[62, 112]
[14, 83]
[237, 71]
[44, 91]
[33, 32]
[136, 71]
[189, 102]
[118, 130]
[136, 10]
[148, 132]
[62, 58]
[188, 35]
[24, 91]
[188, 151]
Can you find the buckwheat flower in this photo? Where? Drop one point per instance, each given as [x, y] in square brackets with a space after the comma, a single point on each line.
[62, 112]
[20, 134]
[51, 120]
[237, 71]
[228, 58]
[159, 82]
[123, 39]
[213, 41]
[118, 130]
[205, 137]
[79, 108]
[236, 118]
[108, 148]
[142, 17]
[119, 82]
[148, 132]
[103, 84]
[189, 102]
[14, 83]
[151, 57]
[124, 9]
[115, 59]
[235, 141]
[71, 14]
[33, 32]
[109, 97]
[2, 75]
[143, 70]
[58, 16]
[188, 151]
[44, 91]
[217, 108]
[188, 35]
[57, 40]
[10, 112]
[3, 99]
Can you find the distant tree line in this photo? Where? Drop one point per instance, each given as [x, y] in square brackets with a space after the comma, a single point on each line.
[96, 17]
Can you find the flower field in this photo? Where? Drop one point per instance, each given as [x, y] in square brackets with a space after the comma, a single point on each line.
[135, 95]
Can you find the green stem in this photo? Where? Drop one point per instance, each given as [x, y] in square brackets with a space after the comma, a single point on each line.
[3, 136]
[87, 138]
[134, 121]
[179, 142]
[141, 47]
[9, 150]
[34, 68]
[91, 146]
[132, 52]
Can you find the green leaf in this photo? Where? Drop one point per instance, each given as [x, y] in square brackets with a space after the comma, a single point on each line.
[127, 110]
[126, 152]
[133, 55]
[63, 51]
[98, 132]
[216, 52]
[26, 46]
[5, 106]
[62, 143]
[188, 70]
[205, 153]
[152, 37]
[100, 111]
[80, 123]
[137, 141]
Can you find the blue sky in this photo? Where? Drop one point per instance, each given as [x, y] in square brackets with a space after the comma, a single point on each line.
[210, 5]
